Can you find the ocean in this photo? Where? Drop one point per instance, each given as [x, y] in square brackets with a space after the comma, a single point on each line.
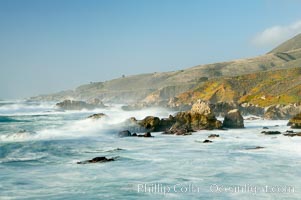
[40, 146]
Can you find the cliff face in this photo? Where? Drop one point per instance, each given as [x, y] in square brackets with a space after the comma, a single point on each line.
[263, 80]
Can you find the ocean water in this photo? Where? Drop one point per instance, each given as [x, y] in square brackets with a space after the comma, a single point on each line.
[40, 146]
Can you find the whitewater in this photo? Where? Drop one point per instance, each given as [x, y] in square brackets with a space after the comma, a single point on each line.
[40, 146]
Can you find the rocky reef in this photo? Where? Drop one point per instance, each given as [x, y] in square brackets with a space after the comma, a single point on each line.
[79, 105]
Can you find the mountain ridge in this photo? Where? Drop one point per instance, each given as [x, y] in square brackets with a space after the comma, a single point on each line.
[165, 85]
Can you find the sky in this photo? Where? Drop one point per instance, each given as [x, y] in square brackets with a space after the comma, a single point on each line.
[48, 46]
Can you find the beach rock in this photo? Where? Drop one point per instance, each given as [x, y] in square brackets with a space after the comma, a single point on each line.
[97, 160]
[79, 105]
[213, 136]
[233, 119]
[125, 133]
[98, 116]
[271, 132]
[207, 141]
[295, 122]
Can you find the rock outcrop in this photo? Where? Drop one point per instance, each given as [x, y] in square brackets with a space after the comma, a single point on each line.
[233, 119]
[279, 111]
[295, 122]
[79, 105]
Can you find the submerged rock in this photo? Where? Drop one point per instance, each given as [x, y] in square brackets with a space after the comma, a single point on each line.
[125, 133]
[233, 119]
[271, 132]
[98, 116]
[179, 131]
[254, 148]
[97, 160]
[290, 134]
[295, 122]
[213, 136]
[207, 141]
[79, 105]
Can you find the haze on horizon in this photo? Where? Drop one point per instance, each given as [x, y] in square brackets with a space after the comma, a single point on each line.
[53, 45]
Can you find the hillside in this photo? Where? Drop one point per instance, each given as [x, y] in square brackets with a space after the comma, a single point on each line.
[263, 89]
[163, 86]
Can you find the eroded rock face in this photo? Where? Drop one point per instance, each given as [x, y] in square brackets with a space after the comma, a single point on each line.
[79, 105]
[295, 122]
[279, 111]
[233, 119]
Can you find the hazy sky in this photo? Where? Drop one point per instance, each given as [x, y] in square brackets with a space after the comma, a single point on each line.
[52, 45]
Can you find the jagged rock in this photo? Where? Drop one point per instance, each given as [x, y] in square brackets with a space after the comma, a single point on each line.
[149, 124]
[79, 105]
[202, 108]
[213, 136]
[233, 119]
[207, 141]
[98, 116]
[271, 132]
[125, 133]
[295, 122]
[97, 160]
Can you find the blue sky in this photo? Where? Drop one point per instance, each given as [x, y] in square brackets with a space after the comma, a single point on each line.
[52, 45]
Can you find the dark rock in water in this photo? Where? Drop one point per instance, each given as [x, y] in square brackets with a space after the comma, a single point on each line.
[134, 134]
[233, 119]
[265, 127]
[124, 133]
[98, 116]
[292, 134]
[97, 160]
[295, 122]
[179, 131]
[254, 148]
[79, 105]
[289, 131]
[213, 136]
[147, 134]
[271, 132]
[207, 141]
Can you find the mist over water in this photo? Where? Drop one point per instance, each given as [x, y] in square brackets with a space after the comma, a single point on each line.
[40, 145]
